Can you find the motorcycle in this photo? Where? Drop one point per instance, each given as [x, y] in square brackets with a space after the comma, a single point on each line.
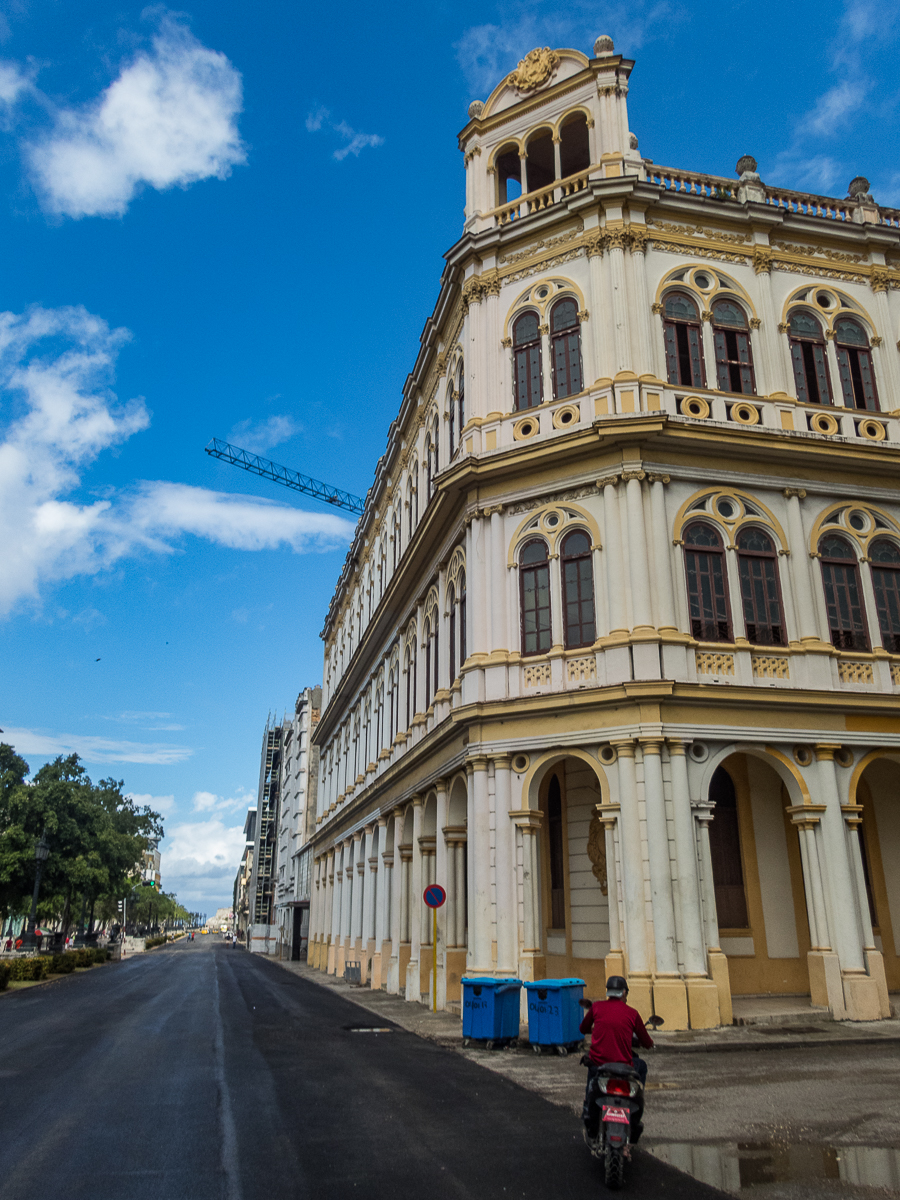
[619, 1094]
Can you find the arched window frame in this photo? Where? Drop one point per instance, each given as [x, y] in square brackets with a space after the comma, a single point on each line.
[461, 400]
[565, 350]
[855, 369]
[452, 619]
[760, 583]
[847, 625]
[528, 381]
[574, 144]
[579, 610]
[534, 587]
[734, 352]
[706, 577]
[809, 359]
[683, 340]
[885, 573]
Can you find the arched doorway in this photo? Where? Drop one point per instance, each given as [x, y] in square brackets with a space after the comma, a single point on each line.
[878, 792]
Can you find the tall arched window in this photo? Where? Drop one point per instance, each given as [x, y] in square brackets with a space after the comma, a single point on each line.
[758, 568]
[684, 341]
[390, 707]
[461, 400]
[565, 335]
[578, 590]
[527, 361]
[434, 464]
[462, 618]
[534, 587]
[704, 559]
[855, 365]
[426, 651]
[395, 541]
[451, 421]
[451, 608]
[734, 359]
[410, 687]
[725, 852]
[885, 559]
[540, 161]
[557, 855]
[840, 578]
[575, 145]
[807, 342]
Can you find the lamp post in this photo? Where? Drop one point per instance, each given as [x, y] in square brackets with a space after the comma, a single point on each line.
[41, 854]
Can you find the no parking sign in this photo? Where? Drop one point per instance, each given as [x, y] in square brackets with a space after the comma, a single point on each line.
[434, 896]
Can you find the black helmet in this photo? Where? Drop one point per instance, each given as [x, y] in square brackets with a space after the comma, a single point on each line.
[616, 987]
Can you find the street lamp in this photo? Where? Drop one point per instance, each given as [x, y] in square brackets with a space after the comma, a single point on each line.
[41, 854]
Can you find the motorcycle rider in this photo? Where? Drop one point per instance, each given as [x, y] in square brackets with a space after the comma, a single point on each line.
[612, 1023]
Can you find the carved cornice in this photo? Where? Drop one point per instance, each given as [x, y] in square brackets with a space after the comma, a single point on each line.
[762, 260]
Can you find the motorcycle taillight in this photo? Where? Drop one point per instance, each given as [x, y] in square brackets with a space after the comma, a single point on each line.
[618, 1087]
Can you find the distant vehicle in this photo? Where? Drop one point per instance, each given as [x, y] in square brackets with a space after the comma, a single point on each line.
[204, 931]
[223, 928]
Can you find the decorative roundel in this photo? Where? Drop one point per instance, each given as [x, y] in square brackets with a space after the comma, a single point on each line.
[802, 756]
[699, 751]
[844, 757]
[745, 414]
[525, 429]
[521, 763]
[824, 423]
[871, 429]
[608, 755]
[695, 406]
[563, 417]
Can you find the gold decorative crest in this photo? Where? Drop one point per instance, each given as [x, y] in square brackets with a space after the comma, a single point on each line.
[534, 69]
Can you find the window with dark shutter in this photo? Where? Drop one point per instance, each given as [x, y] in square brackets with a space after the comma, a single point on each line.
[704, 560]
[885, 559]
[578, 590]
[840, 579]
[855, 365]
[534, 586]
[734, 359]
[810, 365]
[760, 594]
[527, 361]
[725, 852]
[683, 341]
[565, 333]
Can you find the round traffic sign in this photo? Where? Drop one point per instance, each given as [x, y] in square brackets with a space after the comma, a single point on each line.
[435, 895]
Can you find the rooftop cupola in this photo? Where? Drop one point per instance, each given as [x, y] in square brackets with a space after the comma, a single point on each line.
[557, 121]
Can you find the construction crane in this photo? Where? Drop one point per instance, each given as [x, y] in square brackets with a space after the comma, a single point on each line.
[278, 474]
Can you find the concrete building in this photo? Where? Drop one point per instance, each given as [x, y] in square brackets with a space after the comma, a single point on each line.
[150, 863]
[296, 824]
[615, 653]
[243, 877]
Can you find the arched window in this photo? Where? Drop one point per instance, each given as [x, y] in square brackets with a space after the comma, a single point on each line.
[556, 856]
[758, 569]
[395, 541]
[683, 340]
[808, 357]
[725, 852]
[410, 687]
[390, 707]
[565, 335]
[508, 166]
[704, 559]
[734, 360]
[578, 590]
[527, 361]
[451, 422]
[534, 586]
[462, 618]
[426, 650]
[575, 145]
[855, 365]
[540, 161]
[885, 559]
[461, 400]
[840, 578]
[434, 463]
[451, 607]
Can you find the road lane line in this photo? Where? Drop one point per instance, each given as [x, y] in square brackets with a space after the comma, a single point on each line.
[228, 1138]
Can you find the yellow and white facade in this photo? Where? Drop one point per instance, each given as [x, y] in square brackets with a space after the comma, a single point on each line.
[613, 656]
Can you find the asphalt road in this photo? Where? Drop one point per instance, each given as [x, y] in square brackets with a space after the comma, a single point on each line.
[204, 1073]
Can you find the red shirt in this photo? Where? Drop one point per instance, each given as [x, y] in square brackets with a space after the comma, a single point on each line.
[613, 1022]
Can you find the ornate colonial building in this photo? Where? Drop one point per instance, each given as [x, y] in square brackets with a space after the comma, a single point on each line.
[615, 654]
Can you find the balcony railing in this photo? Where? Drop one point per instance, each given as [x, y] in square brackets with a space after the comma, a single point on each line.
[541, 198]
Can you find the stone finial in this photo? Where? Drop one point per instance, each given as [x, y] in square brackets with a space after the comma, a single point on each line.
[746, 164]
[858, 189]
[632, 141]
[476, 108]
[603, 46]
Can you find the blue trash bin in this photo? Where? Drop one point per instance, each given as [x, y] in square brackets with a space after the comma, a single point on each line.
[554, 1013]
[490, 1008]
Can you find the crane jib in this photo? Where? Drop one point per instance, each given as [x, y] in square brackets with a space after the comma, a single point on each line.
[284, 475]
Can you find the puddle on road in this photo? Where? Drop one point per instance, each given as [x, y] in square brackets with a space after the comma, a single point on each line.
[741, 1167]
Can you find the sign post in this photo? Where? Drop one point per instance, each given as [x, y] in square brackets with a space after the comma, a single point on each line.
[435, 897]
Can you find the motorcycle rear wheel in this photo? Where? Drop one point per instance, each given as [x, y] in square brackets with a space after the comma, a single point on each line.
[613, 1168]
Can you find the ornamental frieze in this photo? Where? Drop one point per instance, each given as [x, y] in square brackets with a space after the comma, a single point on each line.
[697, 250]
[716, 235]
[544, 244]
[534, 69]
[809, 251]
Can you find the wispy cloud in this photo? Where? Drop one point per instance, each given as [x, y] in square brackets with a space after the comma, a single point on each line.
[14, 81]
[209, 802]
[160, 804]
[55, 370]
[200, 860]
[93, 749]
[320, 118]
[149, 721]
[167, 120]
[259, 436]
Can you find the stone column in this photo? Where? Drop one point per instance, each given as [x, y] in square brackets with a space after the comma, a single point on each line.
[874, 957]
[393, 974]
[639, 978]
[702, 997]
[442, 869]
[669, 994]
[504, 869]
[637, 553]
[662, 554]
[615, 959]
[644, 357]
[479, 830]
[499, 633]
[616, 244]
[344, 879]
[774, 376]
[328, 917]
[716, 960]
[359, 883]
[370, 885]
[807, 623]
[825, 985]
[414, 903]
[380, 961]
[529, 822]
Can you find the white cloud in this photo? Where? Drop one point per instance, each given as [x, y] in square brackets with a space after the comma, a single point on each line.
[13, 82]
[167, 120]
[209, 802]
[55, 368]
[259, 436]
[93, 749]
[160, 804]
[355, 142]
[200, 860]
[835, 106]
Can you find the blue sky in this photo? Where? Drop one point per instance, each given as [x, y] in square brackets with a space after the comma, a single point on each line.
[228, 221]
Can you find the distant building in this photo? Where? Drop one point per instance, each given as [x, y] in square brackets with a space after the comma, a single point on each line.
[242, 879]
[296, 824]
[150, 864]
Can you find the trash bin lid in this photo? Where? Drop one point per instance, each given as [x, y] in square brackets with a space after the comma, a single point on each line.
[555, 983]
[490, 980]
